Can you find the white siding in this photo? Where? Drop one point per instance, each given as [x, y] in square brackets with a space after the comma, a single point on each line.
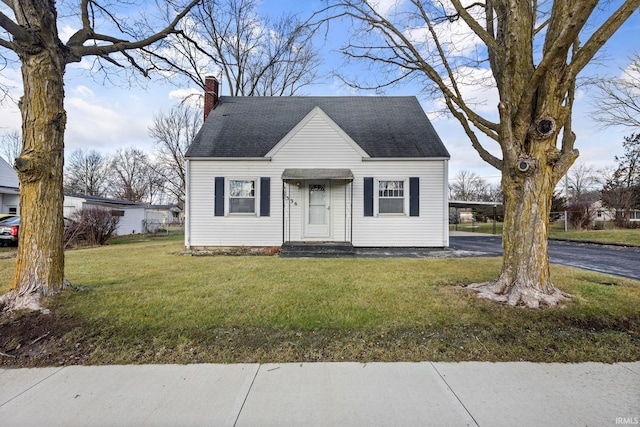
[317, 144]
[8, 175]
[72, 204]
[9, 198]
[130, 223]
[9, 201]
[402, 230]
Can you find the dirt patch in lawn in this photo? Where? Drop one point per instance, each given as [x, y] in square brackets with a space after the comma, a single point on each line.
[37, 339]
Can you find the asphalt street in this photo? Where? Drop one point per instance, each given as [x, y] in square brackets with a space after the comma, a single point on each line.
[616, 260]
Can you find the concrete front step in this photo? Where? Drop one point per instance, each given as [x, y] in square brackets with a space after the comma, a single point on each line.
[319, 249]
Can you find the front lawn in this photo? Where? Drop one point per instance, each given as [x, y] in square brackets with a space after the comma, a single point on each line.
[144, 302]
[621, 236]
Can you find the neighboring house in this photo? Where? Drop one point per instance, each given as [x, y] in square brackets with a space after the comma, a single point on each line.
[267, 171]
[132, 214]
[164, 214]
[603, 213]
[9, 189]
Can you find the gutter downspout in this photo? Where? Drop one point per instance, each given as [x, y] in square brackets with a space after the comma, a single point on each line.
[187, 206]
[445, 220]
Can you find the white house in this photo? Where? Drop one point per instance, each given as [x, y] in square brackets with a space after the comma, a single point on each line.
[9, 189]
[132, 214]
[164, 215]
[270, 171]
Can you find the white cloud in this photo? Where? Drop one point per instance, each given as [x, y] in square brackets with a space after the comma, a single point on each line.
[478, 91]
[631, 76]
[9, 114]
[66, 32]
[454, 36]
[182, 94]
[82, 91]
[102, 128]
[384, 7]
[191, 96]
[10, 119]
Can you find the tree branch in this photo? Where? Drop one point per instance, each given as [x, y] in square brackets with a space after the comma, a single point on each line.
[6, 44]
[484, 35]
[571, 23]
[601, 35]
[79, 51]
[484, 154]
[18, 32]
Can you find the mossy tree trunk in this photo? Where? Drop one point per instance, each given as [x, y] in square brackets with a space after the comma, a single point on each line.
[40, 256]
[534, 107]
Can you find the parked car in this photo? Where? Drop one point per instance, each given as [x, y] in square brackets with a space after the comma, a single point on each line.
[6, 216]
[9, 231]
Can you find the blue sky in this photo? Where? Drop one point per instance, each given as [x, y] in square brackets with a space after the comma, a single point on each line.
[106, 117]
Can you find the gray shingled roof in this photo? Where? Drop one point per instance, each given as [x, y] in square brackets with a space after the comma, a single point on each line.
[382, 126]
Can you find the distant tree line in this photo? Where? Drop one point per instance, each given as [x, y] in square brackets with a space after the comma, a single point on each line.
[616, 189]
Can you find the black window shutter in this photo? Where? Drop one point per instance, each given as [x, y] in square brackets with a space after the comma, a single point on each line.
[218, 209]
[368, 197]
[414, 196]
[265, 196]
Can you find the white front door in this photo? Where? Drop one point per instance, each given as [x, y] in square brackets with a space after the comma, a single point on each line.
[317, 224]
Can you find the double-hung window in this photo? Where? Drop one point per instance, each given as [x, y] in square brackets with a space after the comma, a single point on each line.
[391, 197]
[242, 196]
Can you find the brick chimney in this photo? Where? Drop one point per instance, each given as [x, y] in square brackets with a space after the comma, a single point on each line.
[211, 94]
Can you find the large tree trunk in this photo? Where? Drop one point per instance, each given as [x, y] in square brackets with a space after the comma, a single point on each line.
[40, 258]
[525, 278]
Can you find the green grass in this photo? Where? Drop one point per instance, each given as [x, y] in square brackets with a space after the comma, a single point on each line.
[477, 227]
[143, 302]
[623, 236]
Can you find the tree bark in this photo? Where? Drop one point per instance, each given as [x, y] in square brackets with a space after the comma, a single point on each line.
[40, 257]
[525, 278]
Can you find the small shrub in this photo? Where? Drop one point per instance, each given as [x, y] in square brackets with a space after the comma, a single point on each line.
[92, 226]
[580, 215]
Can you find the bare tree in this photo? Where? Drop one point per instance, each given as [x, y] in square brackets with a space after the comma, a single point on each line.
[494, 194]
[129, 171]
[617, 101]
[156, 185]
[31, 34]
[173, 132]
[581, 190]
[255, 55]
[534, 51]
[581, 183]
[86, 172]
[10, 145]
[468, 186]
[621, 190]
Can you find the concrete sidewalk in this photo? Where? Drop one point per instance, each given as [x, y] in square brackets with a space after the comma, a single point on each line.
[324, 394]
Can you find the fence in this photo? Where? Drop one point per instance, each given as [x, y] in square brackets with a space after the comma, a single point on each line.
[558, 222]
[156, 227]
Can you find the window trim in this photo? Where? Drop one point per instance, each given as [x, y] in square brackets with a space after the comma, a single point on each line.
[228, 197]
[405, 196]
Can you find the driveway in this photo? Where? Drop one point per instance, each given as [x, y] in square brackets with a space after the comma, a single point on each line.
[615, 260]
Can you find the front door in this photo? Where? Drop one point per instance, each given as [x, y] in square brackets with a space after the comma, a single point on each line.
[317, 210]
